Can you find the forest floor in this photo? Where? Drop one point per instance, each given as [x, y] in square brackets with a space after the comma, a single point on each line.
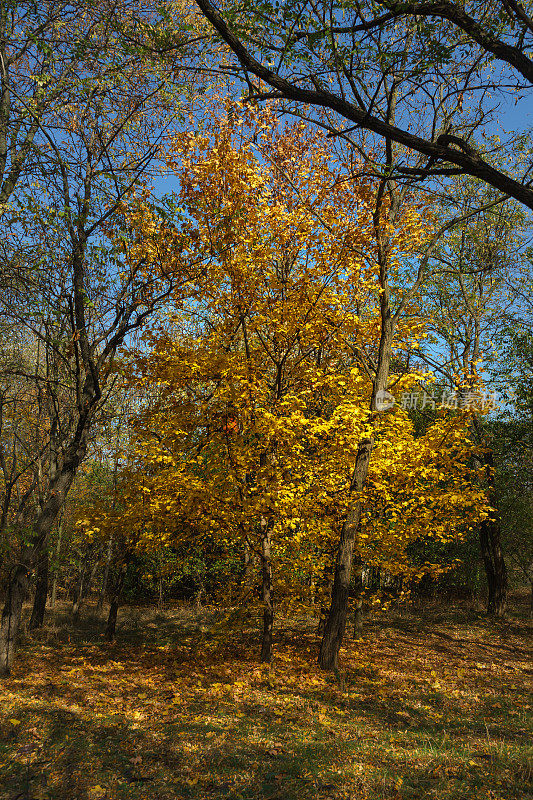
[425, 705]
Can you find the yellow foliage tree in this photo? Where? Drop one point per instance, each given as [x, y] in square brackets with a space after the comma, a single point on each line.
[259, 396]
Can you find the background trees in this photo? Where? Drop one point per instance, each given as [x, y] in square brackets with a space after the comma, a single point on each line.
[472, 300]
[91, 112]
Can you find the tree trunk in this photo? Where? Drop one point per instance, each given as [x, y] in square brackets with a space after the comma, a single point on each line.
[358, 601]
[336, 623]
[76, 606]
[53, 599]
[103, 588]
[376, 579]
[491, 548]
[490, 534]
[41, 593]
[112, 618]
[58, 550]
[248, 566]
[198, 597]
[267, 593]
[89, 582]
[11, 615]
[18, 584]
[115, 603]
[323, 591]
[495, 569]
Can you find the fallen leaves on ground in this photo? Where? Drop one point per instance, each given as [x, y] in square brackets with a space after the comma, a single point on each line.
[422, 707]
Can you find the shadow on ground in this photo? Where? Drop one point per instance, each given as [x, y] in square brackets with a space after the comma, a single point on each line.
[179, 708]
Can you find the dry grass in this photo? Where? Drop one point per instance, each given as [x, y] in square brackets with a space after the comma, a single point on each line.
[425, 705]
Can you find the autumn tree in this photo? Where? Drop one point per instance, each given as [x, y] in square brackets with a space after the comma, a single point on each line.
[61, 63]
[82, 291]
[403, 69]
[267, 382]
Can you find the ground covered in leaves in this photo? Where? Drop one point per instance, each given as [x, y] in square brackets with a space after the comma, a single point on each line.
[426, 705]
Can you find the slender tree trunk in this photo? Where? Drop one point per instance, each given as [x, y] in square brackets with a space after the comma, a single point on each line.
[376, 578]
[267, 592]
[335, 627]
[11, 617]
[160, 600]
[53, 599]
[76, 606]
[103, 588]
[58, 550]
[115, 603]
[41, 593]
[198, 597]
[18, 583]
[336, 623]
[112, 618]
[84, 587]
[323, 590]
[89, 583]
[109, 554]
[248, 566]
[358, 600]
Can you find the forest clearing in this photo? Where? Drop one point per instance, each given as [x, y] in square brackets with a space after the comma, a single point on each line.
[429, 703]
[266, 399]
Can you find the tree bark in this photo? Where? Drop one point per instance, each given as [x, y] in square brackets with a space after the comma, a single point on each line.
[76, 606]
[11, 617]
[358, 600]
[490, 543]
[267, 592]
[41, 593]
[248, 566]
[335, 627]
[115, 603]
[103, 588]
[58, 550]
[495, 568]
[112, 618]
[323, 590]
[18, 583]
